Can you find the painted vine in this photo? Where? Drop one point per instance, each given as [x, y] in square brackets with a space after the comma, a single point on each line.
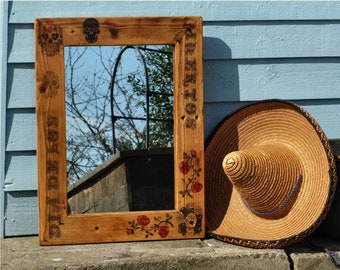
[190, 169]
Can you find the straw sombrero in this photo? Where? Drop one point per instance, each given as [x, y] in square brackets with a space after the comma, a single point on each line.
[270, 176]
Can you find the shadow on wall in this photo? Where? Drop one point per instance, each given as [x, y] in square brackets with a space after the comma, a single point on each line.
[221, 82]
[330, 226]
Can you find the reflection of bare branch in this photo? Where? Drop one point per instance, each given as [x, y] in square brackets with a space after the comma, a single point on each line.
[87, 106]
[89, 129]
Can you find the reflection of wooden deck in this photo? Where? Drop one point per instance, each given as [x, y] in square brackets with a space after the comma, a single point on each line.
[128, 181]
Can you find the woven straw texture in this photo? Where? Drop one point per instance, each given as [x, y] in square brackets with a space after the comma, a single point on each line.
[265, 177]
[304, 149]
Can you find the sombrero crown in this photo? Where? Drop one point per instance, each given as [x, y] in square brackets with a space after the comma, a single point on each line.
[277, 178]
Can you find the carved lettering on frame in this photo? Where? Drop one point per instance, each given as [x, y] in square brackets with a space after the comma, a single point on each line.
[52, 182]
[190, 108]
[190, 123]
[52, 166]
[189, 31]
[53, 201]
[190, 94]
[54, 231]
[53, 169]
[191, 65]
[53, 148]
[189, 81]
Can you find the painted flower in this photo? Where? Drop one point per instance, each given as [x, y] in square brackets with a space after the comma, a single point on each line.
[193, 153]
[50, 26]
[190, 167]
[163, 231]
[184, 167]
[143, 220]
[196, 187]
[144, 226]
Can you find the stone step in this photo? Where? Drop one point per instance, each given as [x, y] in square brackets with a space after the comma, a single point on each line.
[25, 253]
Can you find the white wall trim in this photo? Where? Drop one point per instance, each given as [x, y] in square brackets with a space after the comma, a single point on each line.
[3, 101]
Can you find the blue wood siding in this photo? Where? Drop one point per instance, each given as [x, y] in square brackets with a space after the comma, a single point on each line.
[252, 51]
[3, 99]
[21, 213]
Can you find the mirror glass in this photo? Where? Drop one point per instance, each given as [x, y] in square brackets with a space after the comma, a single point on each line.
[119, 128]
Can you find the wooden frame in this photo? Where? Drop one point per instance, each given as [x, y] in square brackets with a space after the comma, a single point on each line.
[187, 219]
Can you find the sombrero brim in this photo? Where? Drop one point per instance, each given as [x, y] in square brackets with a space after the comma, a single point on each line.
[268, 122]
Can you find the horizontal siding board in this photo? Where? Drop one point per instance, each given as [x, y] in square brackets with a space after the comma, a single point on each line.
[21, 43]
[21, 216]
[21, 86]
[209, 10]
[271, 39]
[295, 79]
[325, 112]
[21, 130]
[229, 40]
[24, 178]
[215, 112]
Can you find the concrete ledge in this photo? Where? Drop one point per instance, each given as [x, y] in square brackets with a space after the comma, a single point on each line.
[25, 253]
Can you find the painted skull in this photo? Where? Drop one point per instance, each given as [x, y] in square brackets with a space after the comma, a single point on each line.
[91, 30]
[50, 37]
[50, 84]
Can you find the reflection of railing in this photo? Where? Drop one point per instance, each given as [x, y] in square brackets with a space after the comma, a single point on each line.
[148, 93]
[136, 187]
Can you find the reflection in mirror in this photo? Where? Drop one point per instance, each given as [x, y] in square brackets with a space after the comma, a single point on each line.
[119, 117]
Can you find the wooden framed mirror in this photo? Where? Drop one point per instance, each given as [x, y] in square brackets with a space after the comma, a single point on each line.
[186, 219]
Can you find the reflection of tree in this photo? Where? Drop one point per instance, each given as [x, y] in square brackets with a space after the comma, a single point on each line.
[160, 94]
[89, 126]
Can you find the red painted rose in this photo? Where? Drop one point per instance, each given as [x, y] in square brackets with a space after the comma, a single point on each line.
[143, 220]
[193, 153]
[196, 187]
[163, 231]
[129, 231]
[184, 167]
[50, 26]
